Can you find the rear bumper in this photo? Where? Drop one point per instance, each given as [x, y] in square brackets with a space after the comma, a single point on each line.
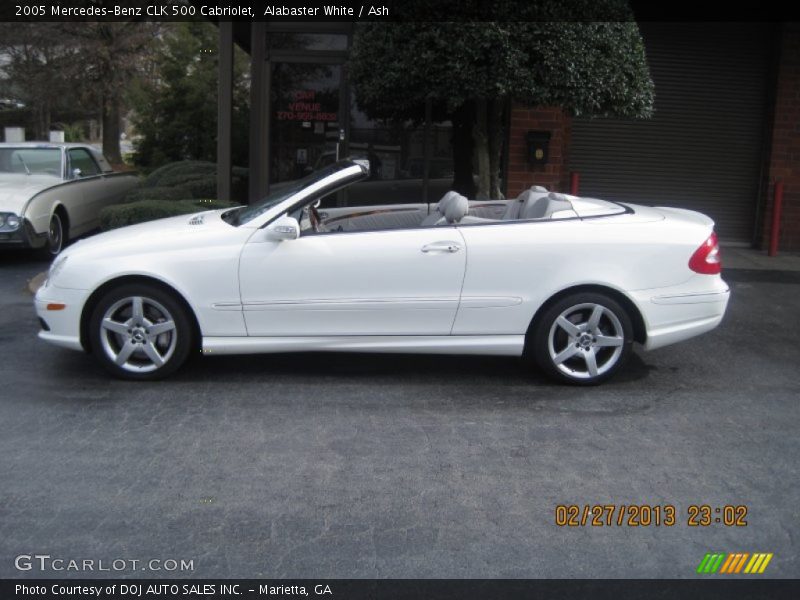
[63, 325]
[676, 314]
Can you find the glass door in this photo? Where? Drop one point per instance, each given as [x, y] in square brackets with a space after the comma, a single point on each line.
[305, 118]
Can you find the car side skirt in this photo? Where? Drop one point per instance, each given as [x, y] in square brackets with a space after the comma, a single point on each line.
[497, 345]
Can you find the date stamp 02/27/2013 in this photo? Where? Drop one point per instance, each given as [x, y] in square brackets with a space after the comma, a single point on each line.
[649, 515]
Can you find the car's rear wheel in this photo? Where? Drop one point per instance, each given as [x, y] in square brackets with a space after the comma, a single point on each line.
[583, 339]
[140, 331]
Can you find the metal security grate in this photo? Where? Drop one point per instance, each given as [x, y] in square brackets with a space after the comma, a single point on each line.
[703, 148]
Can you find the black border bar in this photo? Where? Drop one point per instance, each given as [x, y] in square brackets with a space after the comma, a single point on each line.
[393, 10]
[717, 588]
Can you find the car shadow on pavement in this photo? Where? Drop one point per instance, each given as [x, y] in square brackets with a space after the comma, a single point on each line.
[420, 368]
[309, 365]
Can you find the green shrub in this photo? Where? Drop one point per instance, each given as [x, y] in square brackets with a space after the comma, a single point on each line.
[180, 178]
[131, 213]
[202, 187]
[186, 179]
[159, 193]
[174, 173]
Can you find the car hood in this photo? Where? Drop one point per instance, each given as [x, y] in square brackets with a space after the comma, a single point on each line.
[161, 235]
[17, 188]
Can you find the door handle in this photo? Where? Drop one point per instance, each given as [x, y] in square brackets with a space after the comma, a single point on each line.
[450, 247]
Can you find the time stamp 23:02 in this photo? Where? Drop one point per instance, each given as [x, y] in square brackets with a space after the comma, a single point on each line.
[645, 515]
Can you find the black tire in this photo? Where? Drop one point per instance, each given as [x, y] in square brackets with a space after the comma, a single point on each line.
[131, 337]
[565, 349]
[57, 237]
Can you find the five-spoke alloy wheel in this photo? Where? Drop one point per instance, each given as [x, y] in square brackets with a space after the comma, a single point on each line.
[583, 338]
[140, 331]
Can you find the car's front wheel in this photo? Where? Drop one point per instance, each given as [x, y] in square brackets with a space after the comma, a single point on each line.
[582, 339]
[140, 331]
[56, 237]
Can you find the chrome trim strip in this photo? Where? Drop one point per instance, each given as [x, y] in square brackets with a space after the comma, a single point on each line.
[354, 304]
[226, 306]
[489, 301]
[692, 298]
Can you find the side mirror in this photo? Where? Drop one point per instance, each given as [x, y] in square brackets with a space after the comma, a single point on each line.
[76, 172]
[285, 228]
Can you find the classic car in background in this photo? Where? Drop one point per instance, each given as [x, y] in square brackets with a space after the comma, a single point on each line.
[50, 193]
[569, 282]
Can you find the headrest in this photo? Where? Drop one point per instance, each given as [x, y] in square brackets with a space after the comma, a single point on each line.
[442, 204]
[453, 206]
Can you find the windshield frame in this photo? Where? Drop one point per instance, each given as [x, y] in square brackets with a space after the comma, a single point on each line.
[317, 184]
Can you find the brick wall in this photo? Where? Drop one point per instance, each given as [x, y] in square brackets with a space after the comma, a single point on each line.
[785, 152]
[553, 175]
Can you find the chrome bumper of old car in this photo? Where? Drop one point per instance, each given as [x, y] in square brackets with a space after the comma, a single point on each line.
[22, 237]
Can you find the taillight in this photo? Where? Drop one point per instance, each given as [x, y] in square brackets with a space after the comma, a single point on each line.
[706, 259]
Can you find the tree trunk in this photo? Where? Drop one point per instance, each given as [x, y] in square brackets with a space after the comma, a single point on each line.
[495, 131]
[462, 150]
[480, 134]
[111, 127]
[42, 129]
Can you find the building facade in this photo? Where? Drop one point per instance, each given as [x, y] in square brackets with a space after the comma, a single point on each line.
[726, 126]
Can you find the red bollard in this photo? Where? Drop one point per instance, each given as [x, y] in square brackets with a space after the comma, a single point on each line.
[777, 209]
[574, 183]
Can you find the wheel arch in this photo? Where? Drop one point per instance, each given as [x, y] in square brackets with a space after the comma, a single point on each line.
[97, 294]
[639, 327]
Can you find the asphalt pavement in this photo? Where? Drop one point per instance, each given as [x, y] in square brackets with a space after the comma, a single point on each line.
[352, 465]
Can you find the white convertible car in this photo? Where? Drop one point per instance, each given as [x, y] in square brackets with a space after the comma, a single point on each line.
[50, 193]
[569, 282]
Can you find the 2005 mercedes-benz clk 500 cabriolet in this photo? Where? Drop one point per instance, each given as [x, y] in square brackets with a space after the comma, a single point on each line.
[50, 193]
[569, 282]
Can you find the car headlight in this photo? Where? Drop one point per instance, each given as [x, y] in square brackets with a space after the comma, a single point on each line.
[9, 221]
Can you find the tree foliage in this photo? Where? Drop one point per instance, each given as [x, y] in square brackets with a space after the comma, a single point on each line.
[176, 106]
[532, 52]
[75, 70]
[112, 54]
[37, 61]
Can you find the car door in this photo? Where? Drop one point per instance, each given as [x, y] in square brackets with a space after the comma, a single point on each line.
[85, 190]
[397, 282]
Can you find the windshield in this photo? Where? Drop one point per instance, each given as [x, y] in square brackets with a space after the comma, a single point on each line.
[31, 161]
[282, 191]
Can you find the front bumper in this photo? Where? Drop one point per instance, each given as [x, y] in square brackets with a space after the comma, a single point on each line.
[675, 314]
[61, 326]
[23, 237]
